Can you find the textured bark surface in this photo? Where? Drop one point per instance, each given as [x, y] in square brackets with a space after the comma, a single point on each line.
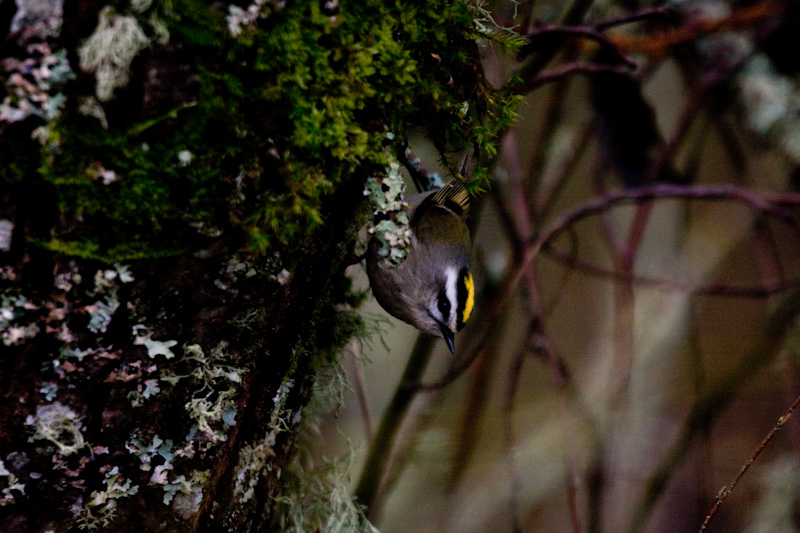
[259, 314]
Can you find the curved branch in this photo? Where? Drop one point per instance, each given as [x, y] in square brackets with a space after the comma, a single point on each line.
[568, 69]
[591, 33]
[667, 285]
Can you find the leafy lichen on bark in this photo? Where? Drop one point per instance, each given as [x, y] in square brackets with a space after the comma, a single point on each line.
[182, 263]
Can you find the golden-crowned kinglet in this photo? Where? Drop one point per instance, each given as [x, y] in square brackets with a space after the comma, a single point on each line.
[432, 289]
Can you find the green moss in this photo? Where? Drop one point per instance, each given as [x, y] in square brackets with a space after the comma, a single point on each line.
[276, 119]
[91, 249]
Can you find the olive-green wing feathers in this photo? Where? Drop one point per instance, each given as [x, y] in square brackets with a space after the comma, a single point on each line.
[440, 217]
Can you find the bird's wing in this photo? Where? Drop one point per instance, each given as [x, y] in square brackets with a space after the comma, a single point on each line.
[454, 197]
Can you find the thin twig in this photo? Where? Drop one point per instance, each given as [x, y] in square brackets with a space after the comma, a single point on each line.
[366, 492]
[585, 32]
[508, 432]
[572, 255]
[764, 203]
[360, 381]
[726, 490]
[563, 71]
[702, 91]
[766, 290]
[569, 25]
[522, 231]
[649, 13]
[419, 174]
[660, 43]
[551, 195]
[572, 16]
[475, 402]
[765, 348]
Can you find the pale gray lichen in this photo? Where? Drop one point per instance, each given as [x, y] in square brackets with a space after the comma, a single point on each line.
[7, 273]
[186, 493]
[154, 348]
[109, 51]
[769, 100]
[72, 353]
[191, 489]
[58, 424]
[98, 171]
[235, 269]
[34, 80]
[6, 230]
[101, 508]
[140, 6]
[19, 334]
[66, 279]
[107, 279]
[44, 17]
[185, 157]
[252, 460]
[12, 485]
[394, 237]
[159, 28]
[90, 107]
[209, 410]
[392, 233]
[144, 391]
[187, 504]
[15, 328]
[283, 276]
[239, 19]
[157, 448]
[254, 457]
[106, 283]
[49, 389]
[385, 193]
[101, 313]
[34, 84]
[209, 405]
[766, 95]
[212, 380]
[318, 499]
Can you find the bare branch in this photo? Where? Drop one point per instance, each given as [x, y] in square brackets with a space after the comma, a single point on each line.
[726, 490]
[665, 11]
[668, 285]
[585, 32]
[568, 69]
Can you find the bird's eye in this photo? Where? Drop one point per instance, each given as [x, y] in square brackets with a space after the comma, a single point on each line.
[444, 306]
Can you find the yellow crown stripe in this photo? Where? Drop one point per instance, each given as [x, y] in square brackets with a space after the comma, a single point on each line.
[470, 286]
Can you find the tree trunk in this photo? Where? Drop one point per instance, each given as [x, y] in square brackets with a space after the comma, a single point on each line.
[181, 192]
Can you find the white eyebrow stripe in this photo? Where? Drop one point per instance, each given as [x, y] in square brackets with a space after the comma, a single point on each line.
[451, 291]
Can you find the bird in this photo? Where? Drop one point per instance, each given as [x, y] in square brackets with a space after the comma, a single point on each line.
[432, 289]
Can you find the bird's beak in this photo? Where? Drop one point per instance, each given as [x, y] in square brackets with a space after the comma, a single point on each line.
[448, 338]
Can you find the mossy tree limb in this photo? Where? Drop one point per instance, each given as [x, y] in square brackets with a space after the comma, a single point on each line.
[177, 222]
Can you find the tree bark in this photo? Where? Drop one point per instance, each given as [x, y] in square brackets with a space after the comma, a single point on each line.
[181, 193]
